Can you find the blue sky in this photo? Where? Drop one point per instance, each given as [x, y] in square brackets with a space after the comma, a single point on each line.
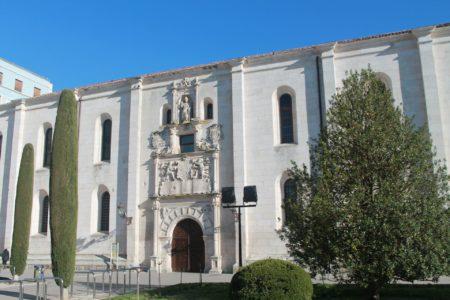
[75, 43]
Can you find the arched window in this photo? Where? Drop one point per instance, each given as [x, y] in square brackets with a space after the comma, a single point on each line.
[106, 140]
[44, 216]
[290, 191]
[48, 147]
[209, 111]
[286, 120]
[168, 116]
[104, 213]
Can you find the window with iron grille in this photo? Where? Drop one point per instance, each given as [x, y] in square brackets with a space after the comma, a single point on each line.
[48, 147]
[44, 216]
[106, 140]
[104, 213]
[286, 119]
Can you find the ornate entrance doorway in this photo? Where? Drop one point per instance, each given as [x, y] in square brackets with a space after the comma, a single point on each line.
[188, 247]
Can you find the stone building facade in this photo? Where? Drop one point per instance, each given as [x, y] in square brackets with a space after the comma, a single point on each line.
[155, 151]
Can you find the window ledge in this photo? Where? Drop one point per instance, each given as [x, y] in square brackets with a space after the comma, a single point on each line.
[100, 234]
[102, 163]
[285, 145]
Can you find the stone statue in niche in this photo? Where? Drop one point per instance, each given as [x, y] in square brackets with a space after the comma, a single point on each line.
[196, 168]
[185, 109]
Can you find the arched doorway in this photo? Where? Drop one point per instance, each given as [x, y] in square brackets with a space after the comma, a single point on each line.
[188, 247]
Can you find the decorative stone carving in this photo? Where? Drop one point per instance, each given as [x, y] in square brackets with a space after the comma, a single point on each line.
[158, 143]
[180, 176]
[172, 215]
[137, 83]
[212, 141]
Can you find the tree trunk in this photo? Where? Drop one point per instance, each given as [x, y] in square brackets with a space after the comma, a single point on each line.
[374, 292]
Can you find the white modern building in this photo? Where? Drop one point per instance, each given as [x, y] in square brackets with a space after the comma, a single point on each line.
[156, 150]
[17, 82]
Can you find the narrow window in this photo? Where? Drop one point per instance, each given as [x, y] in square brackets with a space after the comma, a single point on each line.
[209, 111]
[1, 77]
[106, 140]
[286, 120]
[290, 191]
[44, 216]
[187, 143]
[104, 213]
[48, 147]
[36, 92]
[169, 116]
[18, 85]
[1, 144]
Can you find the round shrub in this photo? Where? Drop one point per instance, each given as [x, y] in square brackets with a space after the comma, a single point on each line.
[271, 279]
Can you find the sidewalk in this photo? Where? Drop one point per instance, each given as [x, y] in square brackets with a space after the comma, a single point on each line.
[82, 290]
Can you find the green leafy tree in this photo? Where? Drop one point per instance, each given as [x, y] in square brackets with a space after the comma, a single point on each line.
[63, 188]
[22, 212]
[372, 210]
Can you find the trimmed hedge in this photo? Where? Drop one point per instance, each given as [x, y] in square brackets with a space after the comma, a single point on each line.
[22, 211]
[64, 189]
[271, 279]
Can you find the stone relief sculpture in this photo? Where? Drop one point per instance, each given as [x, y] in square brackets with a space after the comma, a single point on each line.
[185, 110]
[184, 176]
[212, 141]
[158, 142]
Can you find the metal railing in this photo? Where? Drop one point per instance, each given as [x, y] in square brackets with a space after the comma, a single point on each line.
[38, 282]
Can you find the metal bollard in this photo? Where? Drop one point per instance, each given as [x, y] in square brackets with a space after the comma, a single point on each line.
[37, 290]
[149, 278]
[45, 290]
[94, 287]
[88, 282]
[124, 282]
[103, 281]
[110, 284]
[61, 288]
[181, 276]
[129, 279]
[137, 283]
[21, 290]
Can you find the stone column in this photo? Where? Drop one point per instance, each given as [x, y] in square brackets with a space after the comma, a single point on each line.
[134, 162]
[156, 221]
[16, 147]
[174, 140]
[436, 108]
[239, 141]
[216, 259]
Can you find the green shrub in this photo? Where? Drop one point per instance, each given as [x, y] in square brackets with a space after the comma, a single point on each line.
[22, 212]
[63, 188]
[271, 279]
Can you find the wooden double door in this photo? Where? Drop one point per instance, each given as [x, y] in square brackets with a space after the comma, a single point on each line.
[188, 247]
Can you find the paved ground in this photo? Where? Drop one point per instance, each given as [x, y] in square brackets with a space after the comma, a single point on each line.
[81, 290]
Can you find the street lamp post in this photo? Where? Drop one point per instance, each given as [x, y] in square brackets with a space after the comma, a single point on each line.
[250, 197]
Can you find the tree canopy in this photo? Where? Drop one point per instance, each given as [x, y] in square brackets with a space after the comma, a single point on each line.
[371, 207]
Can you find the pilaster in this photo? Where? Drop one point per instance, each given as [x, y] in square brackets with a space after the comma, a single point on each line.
[328, 76]
[435, 107]
[133, 195]
[16, 154]
[216, 259]
[239, 154]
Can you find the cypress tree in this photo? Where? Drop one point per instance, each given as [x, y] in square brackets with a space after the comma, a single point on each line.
[22, 212]
[64, 189]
